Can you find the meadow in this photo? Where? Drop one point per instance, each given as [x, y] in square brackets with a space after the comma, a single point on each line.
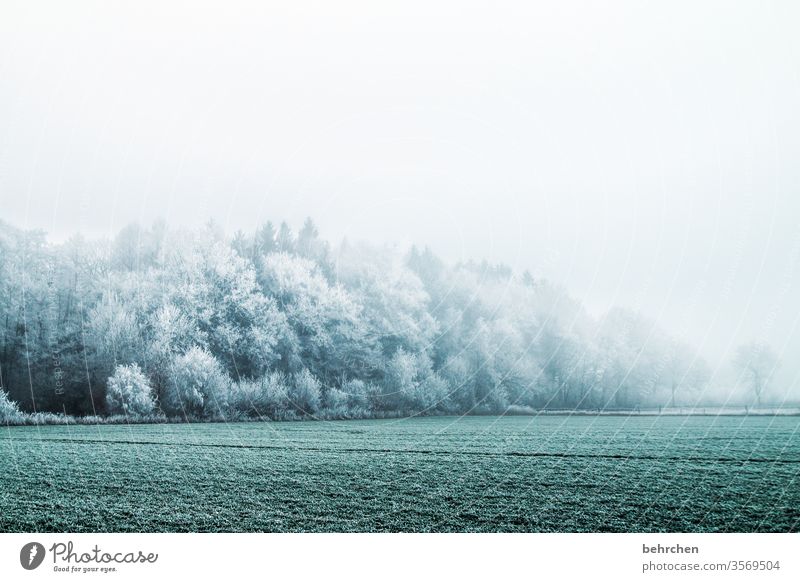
[464, 474]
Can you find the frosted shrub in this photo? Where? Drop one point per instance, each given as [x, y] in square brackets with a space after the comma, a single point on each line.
[245, 397]
[9, 411]
[267, 396]
[129, 392]
[306, 393]
[434, 393]
[357, 394]
[198, 386]
[336, 403]
[405, 382]
[275, 393]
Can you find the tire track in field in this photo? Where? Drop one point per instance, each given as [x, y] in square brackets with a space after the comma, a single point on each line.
[363, 450]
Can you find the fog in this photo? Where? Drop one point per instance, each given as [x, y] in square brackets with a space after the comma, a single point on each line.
[642, 155]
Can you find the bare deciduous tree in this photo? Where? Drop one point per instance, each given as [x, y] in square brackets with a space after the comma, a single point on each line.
[757, 362]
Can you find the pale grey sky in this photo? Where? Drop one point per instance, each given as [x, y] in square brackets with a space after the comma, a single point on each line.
[643, 154]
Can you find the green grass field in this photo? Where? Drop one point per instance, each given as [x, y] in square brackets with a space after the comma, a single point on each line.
[554, 473]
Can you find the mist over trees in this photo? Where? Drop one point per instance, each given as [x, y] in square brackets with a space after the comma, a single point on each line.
[272, 324]
[757, 363]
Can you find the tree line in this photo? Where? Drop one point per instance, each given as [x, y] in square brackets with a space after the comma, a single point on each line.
[194, 324]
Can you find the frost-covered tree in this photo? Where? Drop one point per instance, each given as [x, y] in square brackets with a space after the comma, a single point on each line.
[136, 248]
[269, 324]
[305, 393]
[113, 327]
[218, 293]
[284, 239]
[265, 239]
[198, 386]
[395, 304]
[9, 411]
[129, 392]
[311, 246]
[327, 333]
[359, 395]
